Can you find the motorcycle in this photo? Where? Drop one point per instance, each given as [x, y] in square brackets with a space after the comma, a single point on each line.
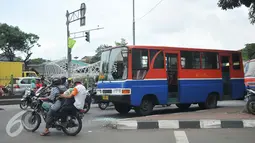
[58, 119]
[88, 101]
[26, 100]
[103, 105]
[250, 101]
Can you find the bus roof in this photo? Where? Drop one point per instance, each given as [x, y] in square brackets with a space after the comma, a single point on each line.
[173, 48]
[180, 48]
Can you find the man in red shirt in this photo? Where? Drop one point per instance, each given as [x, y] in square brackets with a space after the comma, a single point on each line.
[38, 84]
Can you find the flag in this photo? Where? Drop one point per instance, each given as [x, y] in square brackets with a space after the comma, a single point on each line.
[71, 42]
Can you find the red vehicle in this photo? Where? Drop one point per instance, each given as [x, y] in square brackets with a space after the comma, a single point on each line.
[249, 73]
[141, 77]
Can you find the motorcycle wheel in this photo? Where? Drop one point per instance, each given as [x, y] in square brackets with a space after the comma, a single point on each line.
[34, 118]
[250, 106]
[33, 105]
[23, 105]
[86, 107]
[77, 131]
[103, 106]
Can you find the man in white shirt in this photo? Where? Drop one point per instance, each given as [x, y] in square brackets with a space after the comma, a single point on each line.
[79, 94]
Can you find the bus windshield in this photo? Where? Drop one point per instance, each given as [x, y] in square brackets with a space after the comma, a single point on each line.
[114, 64]
[249, 69]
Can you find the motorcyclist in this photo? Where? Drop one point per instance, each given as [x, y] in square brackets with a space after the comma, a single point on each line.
[70, 82]
[57, 88]
[64, 82]
[76, 100]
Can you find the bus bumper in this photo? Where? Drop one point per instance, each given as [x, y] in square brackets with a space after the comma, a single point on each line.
[112, 98]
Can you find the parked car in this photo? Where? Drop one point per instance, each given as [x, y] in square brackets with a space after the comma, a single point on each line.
[20, 84]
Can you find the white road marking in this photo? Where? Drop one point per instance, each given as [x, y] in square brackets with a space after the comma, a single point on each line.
[249, 123]
[210, 124]
[126, 124]
[180, 137]
[168, 124]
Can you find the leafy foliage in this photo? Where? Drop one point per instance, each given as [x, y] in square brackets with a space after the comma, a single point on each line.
[248, 52]
[12, 39]
[37, 61]
[231, 4]
[121, 43]
[97, 56]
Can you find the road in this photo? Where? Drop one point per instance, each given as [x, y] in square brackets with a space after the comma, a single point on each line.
[94, 132]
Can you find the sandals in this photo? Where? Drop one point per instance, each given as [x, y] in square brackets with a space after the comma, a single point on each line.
[45, 133]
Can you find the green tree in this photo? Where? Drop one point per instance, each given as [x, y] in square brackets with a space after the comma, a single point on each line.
[12, 39]
[121, 43]
[248, 52]
[231, 4]
[97, 56]
[37, 61]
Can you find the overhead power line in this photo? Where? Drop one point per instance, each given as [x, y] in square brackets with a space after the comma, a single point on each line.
[150, 10]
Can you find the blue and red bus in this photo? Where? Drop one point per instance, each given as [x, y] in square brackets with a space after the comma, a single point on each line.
[140, 77]
[249, 73]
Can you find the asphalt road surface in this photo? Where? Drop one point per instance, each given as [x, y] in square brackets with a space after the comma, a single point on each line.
[94, 131]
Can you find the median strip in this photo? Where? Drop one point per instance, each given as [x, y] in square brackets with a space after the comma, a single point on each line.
[182, 124]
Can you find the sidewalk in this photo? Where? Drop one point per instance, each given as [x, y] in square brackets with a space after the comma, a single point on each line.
[226, 116]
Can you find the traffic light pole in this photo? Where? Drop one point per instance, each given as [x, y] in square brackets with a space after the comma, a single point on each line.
[72, 17]
[68, 49]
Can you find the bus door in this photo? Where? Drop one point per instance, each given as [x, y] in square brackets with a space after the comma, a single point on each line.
[225, 69]
[172, 76]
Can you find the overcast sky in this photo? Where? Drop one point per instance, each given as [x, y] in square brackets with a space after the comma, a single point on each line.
[186, 23]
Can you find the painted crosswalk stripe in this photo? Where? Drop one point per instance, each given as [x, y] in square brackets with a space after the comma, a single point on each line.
[180, 137]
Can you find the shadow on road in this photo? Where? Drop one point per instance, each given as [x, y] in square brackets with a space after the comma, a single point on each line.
[157, 111]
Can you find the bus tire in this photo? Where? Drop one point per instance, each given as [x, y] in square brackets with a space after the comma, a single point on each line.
[145, 108]
[122, 108]
[210, 103]
[184, 106]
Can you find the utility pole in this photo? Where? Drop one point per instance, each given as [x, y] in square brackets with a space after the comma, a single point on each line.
[133, 22]
[72, 17]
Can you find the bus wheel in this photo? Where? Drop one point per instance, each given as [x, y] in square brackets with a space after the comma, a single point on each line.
[122, 108]
[211, 102]
[183, 106]
[145, 108]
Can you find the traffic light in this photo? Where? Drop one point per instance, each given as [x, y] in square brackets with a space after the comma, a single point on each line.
[87, 36]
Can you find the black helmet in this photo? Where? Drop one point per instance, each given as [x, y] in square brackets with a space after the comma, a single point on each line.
[56, 81]
[63, 79]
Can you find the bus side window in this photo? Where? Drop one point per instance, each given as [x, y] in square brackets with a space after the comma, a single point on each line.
[153, 52]
[210, 60]
[159, 61]
[140, 63]
[236, 61]
[190, 60]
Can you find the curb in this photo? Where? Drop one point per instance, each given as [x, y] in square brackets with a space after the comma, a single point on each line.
[9, 101]
[182, 124]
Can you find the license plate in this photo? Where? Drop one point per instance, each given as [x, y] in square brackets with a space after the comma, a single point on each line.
[105, 97]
